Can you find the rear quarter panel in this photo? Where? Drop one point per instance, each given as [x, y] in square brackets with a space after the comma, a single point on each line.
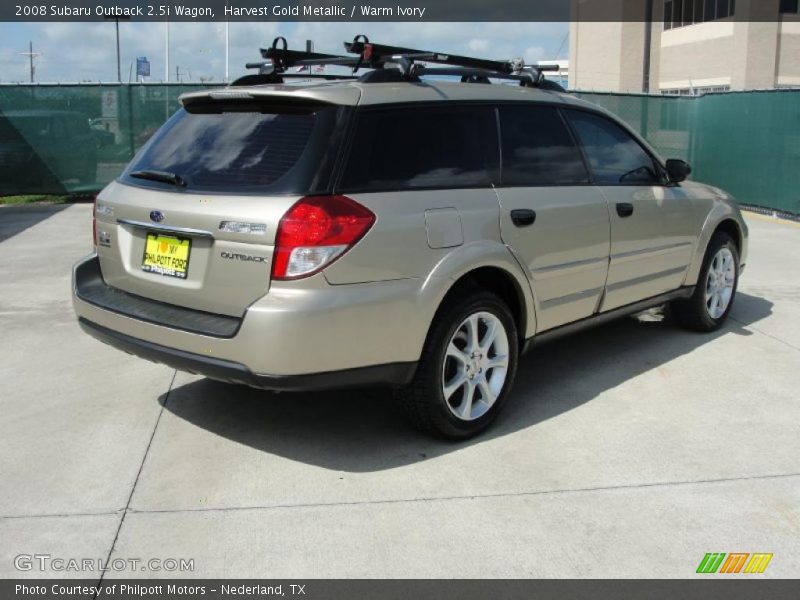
[397, 247]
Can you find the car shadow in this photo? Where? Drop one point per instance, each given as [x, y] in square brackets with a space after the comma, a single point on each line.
[16, 219]
[364, 430]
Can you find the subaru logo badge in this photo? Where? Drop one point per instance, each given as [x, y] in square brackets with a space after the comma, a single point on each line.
[156, 216]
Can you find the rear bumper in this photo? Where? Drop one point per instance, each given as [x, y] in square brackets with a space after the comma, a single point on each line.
[232, 372]
[90, 287]
[297, 337]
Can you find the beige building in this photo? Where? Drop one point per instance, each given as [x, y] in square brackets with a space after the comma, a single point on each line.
[690, 46]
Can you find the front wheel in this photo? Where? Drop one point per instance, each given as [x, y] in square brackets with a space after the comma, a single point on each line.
[709, 306]
[467, 367]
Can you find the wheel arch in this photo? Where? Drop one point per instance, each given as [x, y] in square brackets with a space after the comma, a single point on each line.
[722, 218]
[731, 227]
[489, 266]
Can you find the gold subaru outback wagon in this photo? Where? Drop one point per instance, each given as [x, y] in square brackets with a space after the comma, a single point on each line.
[396, 229]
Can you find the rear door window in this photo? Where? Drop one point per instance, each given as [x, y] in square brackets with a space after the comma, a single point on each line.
[538, 149]
[615, 157]
[422, 148]
[240, 150]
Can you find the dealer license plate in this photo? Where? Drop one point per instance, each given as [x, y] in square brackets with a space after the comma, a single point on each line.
[166, 255]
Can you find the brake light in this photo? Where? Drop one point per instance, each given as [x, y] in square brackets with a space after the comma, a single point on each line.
[316, 231]
[94, 223]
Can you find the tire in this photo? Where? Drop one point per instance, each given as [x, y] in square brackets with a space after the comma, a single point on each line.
[708, 308]
[448, 357]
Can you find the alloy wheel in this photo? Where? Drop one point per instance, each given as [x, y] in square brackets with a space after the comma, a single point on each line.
[475, 366]
[719, 283]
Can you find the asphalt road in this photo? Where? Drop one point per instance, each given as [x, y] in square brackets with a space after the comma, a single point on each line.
[627, 451]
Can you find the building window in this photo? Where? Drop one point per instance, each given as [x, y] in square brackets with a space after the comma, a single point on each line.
[697, 91]
[698, 11]
[680, 13]
[789, 6]
[688, 12]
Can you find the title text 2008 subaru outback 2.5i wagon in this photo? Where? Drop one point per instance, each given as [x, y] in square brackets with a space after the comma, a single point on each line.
[415, 233]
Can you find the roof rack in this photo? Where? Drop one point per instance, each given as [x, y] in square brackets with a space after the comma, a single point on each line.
[278, 59]
[408, 64]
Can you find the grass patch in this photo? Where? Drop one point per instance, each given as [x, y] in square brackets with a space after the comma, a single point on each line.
[41, 199]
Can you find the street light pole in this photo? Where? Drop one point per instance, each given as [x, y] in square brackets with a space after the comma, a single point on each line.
[166, 55]
[119, 66]
[119, 72]
[227, 48]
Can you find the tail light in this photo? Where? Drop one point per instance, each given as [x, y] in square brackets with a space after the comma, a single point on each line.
[94, 223]
[315, 232]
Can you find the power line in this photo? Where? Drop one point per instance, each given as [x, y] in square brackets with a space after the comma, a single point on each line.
[561, 47]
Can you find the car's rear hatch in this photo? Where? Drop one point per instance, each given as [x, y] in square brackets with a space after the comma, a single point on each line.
[192, 221]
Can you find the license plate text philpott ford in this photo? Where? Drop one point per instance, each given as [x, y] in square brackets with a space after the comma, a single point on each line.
[166, 255]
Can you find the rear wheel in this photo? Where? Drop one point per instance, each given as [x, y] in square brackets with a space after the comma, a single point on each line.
[467, 367]
[709, 306]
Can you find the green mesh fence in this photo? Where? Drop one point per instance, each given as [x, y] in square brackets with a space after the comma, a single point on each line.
[747, 143]
[56, 139]
[72, 138]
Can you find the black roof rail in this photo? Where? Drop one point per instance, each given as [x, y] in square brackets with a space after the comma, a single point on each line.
[410, 64]
[267, 78]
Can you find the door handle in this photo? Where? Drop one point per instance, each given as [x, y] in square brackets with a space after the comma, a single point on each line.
[624, 209]
[523, 217]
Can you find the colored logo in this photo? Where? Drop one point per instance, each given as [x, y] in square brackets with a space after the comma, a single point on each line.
[735, 562]
[156, 216]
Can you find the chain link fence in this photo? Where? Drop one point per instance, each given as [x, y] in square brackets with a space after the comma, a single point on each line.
[76, 138]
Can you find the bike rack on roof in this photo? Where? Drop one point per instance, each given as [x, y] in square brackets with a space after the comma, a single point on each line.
[409, 65]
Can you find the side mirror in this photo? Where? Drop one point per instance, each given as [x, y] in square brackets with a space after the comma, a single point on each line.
[678, 170]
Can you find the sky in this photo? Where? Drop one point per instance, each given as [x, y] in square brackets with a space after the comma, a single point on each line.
[87, 51]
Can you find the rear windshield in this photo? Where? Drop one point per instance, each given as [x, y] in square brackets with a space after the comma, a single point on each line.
[242, 150]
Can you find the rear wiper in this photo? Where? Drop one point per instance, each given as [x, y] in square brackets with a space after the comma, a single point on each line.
[164, 176]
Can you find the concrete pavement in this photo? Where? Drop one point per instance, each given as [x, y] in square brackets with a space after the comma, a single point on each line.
[627, 451]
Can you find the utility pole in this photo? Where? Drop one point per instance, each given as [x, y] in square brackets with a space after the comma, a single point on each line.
[31, 55]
